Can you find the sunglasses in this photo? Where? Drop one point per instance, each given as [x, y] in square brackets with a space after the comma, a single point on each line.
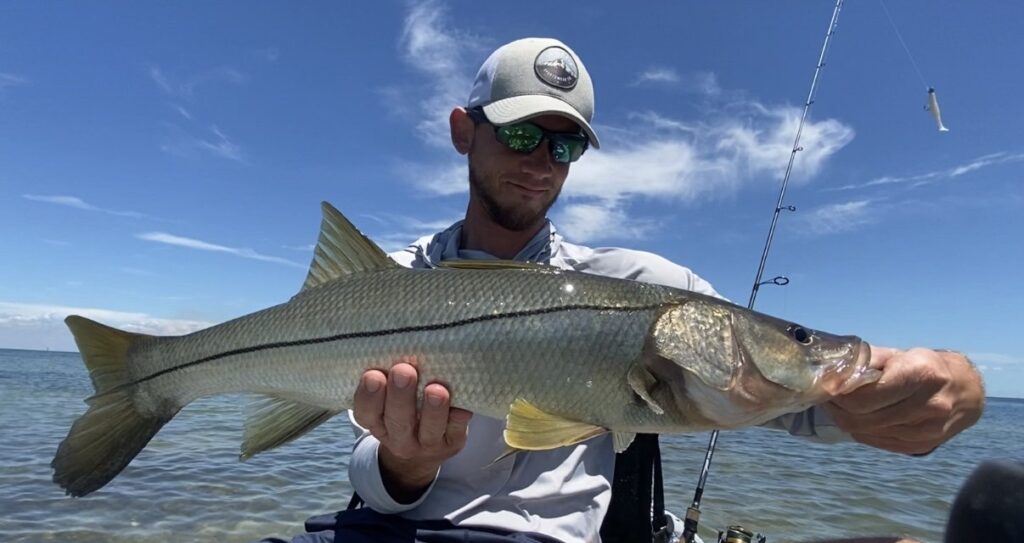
[524, 137]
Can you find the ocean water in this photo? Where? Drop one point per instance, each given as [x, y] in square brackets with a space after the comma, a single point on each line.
[188, 485]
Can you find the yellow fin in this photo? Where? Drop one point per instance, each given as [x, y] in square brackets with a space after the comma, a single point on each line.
[276, 421]
[622, 440]
[529, 428]
[495, 265]
[342, 249]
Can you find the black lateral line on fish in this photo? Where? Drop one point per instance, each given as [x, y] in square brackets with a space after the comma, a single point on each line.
[377, 333]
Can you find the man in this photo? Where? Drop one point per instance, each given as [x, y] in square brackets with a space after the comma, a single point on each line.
[527, 119]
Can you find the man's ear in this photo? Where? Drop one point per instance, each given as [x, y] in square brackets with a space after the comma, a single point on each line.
[463, 129]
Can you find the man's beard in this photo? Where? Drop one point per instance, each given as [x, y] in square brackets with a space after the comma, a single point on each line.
[511, 218]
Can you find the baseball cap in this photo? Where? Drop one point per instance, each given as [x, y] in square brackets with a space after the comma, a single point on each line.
[532, 77]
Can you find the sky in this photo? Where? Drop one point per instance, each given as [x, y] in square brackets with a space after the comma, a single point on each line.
[162, 163]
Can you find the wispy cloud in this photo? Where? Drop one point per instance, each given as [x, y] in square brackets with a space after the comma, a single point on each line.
[837, 218]
[34, 326]
[186, 88]
[656, 75]
[78, 203]
[269, 54]
[11, 80]
[446, 58]
[190, 243]
[587, 222]
[439, 179]
[214, 142]
[938, 175]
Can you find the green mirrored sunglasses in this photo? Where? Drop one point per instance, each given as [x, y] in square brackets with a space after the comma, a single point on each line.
[524, 137]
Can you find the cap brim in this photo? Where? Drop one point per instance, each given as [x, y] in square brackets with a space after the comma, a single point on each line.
[521, 108]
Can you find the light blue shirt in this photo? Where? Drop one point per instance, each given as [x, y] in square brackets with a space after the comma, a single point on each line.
[563, 493]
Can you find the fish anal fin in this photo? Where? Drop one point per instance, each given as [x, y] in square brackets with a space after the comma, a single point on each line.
[527, 427]
[275, 421]
[342, 250]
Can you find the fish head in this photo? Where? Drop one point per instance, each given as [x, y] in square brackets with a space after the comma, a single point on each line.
[743, 368]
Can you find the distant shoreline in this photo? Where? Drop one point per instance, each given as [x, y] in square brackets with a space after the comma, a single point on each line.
[987, 398]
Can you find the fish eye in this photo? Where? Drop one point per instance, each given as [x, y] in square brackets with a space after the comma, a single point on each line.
[800, 334]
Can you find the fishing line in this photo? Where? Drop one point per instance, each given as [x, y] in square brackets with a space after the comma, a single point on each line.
[693, 512]
[904, 44]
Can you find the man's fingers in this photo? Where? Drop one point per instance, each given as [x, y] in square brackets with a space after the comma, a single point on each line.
[458, 424]
[368, 404]
[904, 412]
[895, 444]
[901, 378]
[400, 408]
[434, 415]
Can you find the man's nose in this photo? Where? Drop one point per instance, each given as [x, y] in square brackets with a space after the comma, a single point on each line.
[539, 162]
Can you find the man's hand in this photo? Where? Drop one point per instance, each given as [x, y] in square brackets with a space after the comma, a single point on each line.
[922, 400]
[413, 443]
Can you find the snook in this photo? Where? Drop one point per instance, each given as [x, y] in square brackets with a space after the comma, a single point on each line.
[562, 356]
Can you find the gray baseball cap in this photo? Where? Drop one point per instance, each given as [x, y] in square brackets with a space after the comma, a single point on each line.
[532, 77]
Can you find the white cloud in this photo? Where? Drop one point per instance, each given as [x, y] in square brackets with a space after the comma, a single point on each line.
[657, 75]
[269, 54]
[938, 175]
[441, 179]
[186, 88]
[837, 218]
[586, 222]
[184, 144]
[430, 46]
[11, 80]
[38, 326]
[78, 203]
[190, 243]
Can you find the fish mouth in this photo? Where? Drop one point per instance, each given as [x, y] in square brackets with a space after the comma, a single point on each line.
[846, 375]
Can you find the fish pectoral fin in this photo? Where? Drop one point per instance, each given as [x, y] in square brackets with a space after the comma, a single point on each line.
[495, 265]
[527, 427]
[622, 440]
[642, 382]
[275, 421]
[342, 250]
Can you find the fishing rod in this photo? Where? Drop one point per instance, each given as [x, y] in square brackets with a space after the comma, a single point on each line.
[736, 534]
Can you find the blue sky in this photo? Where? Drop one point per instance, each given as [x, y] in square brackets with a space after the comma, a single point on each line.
[161, 164]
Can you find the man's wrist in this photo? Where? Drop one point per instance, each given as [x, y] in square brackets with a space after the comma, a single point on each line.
[405, 480]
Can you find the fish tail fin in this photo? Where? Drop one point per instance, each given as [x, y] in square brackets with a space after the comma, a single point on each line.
[113, 431]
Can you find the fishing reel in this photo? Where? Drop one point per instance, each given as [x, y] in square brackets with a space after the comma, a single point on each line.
[739, 534]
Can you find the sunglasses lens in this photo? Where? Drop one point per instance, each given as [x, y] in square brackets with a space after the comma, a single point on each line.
[565, 150]
[523, 138]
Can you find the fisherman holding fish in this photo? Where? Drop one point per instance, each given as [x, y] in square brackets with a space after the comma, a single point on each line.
[495, 369]
[527, 119]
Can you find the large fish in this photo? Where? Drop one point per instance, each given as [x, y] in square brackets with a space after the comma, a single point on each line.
[561, 356]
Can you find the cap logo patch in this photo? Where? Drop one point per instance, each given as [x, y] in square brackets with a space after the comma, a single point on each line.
[556, 67]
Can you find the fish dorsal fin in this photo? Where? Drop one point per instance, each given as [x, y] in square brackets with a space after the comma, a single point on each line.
[697, 336]
[529, 428]
[342, 250]
[495, 265]
[275, 421]
[643, 382]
